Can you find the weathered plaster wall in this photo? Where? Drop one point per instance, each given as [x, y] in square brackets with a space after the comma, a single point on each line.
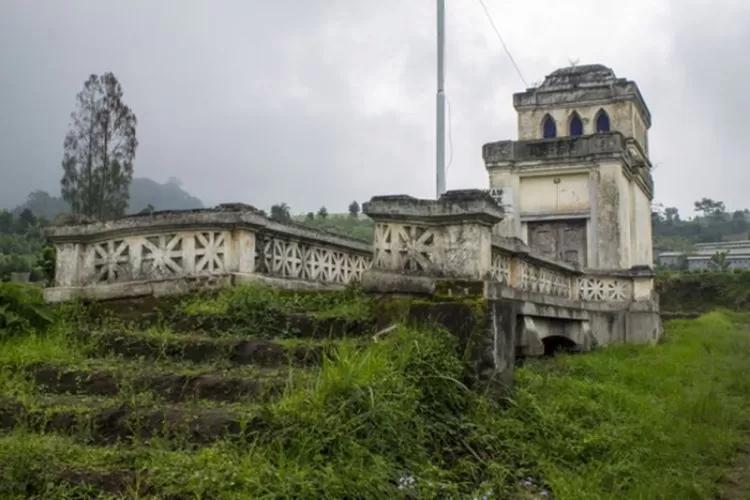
[609, 230]
[554, 193]
[644, 253]
[509, 182]
[625, 117]
[627, 219]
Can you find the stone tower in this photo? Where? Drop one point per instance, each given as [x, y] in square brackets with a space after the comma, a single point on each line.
[577, 183]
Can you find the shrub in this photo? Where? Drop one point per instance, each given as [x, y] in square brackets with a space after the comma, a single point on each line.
[704, 291]
[22, 309]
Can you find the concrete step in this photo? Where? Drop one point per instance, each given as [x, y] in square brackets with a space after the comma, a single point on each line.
[201, 349]
[301, 325]
[113, 379]
[107, 422]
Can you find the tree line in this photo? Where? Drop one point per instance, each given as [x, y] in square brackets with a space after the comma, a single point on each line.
[712, 222]
[282, 212]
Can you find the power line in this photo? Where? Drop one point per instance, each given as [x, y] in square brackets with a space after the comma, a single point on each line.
[505, 47]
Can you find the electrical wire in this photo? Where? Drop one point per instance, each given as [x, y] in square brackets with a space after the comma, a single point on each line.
[505, 47]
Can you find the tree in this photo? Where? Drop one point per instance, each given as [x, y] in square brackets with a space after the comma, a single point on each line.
[42, 204]
[719, 259]
[6, 222]
[354, 209]
[671, 215]
[709, 208]
[310, 216]
[25, 220]
[323, 212]
[281, 212]
[739, 221]
[147, 210]
[99, 150]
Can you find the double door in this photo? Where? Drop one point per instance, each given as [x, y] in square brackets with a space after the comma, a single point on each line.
[560, 240]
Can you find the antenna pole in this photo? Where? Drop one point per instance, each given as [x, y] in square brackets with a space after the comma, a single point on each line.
[440, 170]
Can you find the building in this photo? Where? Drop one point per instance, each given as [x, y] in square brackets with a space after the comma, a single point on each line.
[577, 183]
[737, 256]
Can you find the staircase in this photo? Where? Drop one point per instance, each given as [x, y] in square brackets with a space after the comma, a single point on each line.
[122, 399]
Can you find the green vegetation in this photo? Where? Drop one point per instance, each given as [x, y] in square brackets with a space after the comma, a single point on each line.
[21, 244]
[149, 412]
[359, 227]
[712, 223]
[22, 309]
[703, 291]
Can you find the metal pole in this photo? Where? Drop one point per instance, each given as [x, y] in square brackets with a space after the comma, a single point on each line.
[440, 174]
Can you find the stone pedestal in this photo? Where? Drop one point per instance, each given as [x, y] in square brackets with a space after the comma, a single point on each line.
[449, 238]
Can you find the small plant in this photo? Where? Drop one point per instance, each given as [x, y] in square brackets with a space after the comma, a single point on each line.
[22, 309]
[47, 262]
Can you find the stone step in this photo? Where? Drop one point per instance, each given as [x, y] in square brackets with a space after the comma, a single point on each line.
[109, 380]
[55, 466]
[304, 326]
[103, 422]
[200, 349]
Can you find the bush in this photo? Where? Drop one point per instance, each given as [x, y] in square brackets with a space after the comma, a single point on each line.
[703, 291]
[22, 309]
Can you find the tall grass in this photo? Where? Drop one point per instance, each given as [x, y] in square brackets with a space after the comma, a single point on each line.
[637, 422]
[623, 422]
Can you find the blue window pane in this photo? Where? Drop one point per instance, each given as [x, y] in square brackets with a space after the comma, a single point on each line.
[576, 126]
[549, 129]
[602, 122]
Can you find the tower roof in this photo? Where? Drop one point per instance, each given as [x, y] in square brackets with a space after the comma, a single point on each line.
[586, 75]
[578, 84]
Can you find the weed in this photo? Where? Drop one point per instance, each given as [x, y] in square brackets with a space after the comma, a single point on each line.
[22, 309]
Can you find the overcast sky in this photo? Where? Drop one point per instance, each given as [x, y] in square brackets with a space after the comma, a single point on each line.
[322, 102]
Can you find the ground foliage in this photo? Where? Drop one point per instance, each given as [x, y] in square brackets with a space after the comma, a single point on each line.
[391, 419]
[22, 309]
[703, 291]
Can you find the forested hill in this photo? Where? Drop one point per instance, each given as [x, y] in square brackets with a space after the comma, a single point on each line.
[712, 222]
[144, 194]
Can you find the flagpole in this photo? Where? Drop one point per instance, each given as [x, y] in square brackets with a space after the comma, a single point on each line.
[440, 142]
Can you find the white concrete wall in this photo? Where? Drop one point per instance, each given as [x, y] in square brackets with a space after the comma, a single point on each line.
[554, 193]
[510, 226]
[644, 252]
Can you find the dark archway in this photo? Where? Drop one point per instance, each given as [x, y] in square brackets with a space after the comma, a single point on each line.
[549, 128]
[602, 121]
[556, 343]
[576, 125]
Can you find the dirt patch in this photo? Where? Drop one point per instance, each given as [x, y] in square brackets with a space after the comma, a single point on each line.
[113, 482]
[61, 381]
[736, 485]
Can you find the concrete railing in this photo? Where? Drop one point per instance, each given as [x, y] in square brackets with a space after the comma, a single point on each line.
[166, 252]
[515, 265]
[452, 238]
[414, 240]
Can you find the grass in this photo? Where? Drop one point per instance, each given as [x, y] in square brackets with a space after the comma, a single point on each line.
[637, 422]
[622, 422]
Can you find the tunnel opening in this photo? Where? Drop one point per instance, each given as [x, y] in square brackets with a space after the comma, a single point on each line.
[555, 344]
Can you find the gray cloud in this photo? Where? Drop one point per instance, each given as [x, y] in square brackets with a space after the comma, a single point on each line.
[318, 103]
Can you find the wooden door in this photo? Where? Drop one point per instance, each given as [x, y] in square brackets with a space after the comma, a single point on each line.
[560, 240]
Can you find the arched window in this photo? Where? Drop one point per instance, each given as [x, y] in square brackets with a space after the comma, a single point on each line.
[602, 121]
[549, 129]
[576, 125]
